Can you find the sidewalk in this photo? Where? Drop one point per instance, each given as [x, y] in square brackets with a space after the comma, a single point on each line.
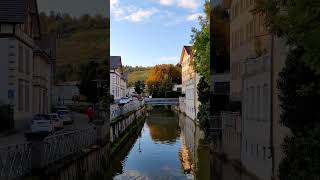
[80, 122]
[10, 139]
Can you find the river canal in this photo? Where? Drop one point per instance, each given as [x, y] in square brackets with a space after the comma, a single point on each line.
[167, 147]
[170, 146]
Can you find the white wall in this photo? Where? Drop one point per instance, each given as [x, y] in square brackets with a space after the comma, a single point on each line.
[256, 118]
[10, 76]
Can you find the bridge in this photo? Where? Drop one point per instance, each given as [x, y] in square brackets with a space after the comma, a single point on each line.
[162, 101]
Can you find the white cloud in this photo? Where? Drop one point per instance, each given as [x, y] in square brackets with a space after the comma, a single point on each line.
[169, 59]
[191, 4]
[130, 13]
[193, 17]
[141, 14]
[167, 2]
[188, 4]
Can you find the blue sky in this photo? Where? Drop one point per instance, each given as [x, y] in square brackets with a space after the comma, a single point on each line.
[150, 32]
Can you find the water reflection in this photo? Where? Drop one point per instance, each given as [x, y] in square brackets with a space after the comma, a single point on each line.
[163, 126]
[171, 146]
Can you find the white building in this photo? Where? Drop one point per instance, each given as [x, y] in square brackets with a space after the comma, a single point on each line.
[65, 91]
[130, 91]
[255, 152]
[190, 80]
[118, 80]
[43, 63]
[177, 87]
[19, 28]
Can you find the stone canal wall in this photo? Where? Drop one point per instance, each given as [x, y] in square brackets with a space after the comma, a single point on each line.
[122, 127]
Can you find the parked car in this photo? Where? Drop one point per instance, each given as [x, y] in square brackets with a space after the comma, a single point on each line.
[123, 101]
[42, 123]
[59, 108]
[57, 121]
[66, 116]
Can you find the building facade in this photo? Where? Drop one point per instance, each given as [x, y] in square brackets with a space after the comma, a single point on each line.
[118, 80]
[64, 92]
[19, 29]
[190, 80]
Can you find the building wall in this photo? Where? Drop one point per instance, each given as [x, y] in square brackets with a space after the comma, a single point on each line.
[231, 135]
[65, 93]
[187, 70]
[41, 85]
[16, 70]
[256, 115]
[190, 80]
[116, 84]
[248, 36]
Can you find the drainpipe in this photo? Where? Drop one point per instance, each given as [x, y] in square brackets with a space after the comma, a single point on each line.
[271, 107]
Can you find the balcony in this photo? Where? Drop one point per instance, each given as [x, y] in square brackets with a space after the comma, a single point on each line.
[221, 83]
[251, 67]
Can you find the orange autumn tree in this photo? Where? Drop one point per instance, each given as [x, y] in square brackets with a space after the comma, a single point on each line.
[161, 79]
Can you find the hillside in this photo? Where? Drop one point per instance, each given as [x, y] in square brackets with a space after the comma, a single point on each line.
[140, 75]
[80, 47]
[80, 40]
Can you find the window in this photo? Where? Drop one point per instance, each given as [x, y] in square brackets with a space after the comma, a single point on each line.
[247, 103]
[264, 153]
[241, 36]
[20, 95]
[20, 56]
[27, 96]
[27, 55]
[247, 32]
[258, 103]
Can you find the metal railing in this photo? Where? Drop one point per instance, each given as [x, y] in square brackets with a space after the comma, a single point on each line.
[15, 160]
[116, 110]
[162, 100]
[60, 146]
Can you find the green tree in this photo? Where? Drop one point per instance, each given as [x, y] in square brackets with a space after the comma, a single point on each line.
[299, 98]
[201, 45]
[88, 85]
[204, 108]
[296, 21]
[139, 87]
[162, 78]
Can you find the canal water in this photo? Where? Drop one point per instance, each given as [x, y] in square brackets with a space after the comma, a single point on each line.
[170, 146]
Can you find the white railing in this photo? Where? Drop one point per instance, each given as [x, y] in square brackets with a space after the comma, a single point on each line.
[231, 119]
[15, 160]
[60, 146]
[162, 100]
[116, 110]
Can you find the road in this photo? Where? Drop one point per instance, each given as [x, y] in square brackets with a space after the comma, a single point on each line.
[80, 122]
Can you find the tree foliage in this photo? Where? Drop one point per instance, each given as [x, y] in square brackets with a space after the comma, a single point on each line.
[299, 98]
[162, 78]
[88, 86]
[201, 44]
[297, 21]
[139, 87]
[204, 108]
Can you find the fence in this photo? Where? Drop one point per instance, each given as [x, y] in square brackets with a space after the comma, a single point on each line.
[41, 150]
[118, 110]
[162, 101]
[57, 147]
[15, 160]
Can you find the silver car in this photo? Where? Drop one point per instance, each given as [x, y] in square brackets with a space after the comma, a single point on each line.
[66, 116]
